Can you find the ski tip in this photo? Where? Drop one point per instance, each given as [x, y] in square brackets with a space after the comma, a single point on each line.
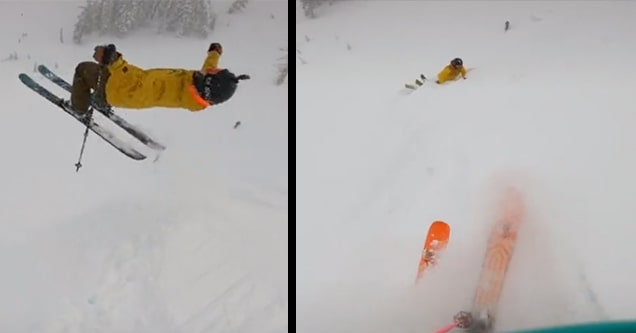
[26, 79]
[438, 230]
[440, 224]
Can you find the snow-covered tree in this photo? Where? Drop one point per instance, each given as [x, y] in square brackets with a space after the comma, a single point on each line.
[237, 6]
[127, 16]
[83, 25]
[309, 6]
[106, 13]
[198, 23]
[122, 17]
[283, 67]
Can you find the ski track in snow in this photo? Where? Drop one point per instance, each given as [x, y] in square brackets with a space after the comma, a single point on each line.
[192, 241]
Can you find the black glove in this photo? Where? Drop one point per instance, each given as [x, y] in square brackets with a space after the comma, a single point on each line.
[216, 47]
[109, 54]
[463, 319]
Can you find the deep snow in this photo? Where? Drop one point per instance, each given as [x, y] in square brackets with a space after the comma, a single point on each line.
[194, 242]
[547, 108]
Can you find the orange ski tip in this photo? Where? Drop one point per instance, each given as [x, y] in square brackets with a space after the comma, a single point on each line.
[436, 240]
[438, 231]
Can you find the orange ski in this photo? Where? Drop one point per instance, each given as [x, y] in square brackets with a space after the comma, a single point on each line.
[436, 241]
[499, 251]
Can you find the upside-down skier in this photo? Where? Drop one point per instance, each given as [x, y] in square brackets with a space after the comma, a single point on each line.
[113, 81]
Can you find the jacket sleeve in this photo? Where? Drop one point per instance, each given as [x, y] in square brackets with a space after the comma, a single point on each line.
[211, 61]
[463, 71]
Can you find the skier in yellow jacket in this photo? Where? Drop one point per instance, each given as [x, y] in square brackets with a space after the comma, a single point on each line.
[112, 81]
[452, 71]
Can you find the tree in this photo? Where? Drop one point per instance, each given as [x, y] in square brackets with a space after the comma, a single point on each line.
[83, 25]
[122, 17]
[237, 6]
[283, 67]
[105, 13]
[310, 5]
[127, 15]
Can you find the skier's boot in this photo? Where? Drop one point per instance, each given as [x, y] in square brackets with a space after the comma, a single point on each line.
[84, 117]
[100, 104]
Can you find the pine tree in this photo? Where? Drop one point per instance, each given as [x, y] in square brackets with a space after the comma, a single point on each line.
[126, 17]
[95, 13]
[198, 24]
[122, 17]
[151, 9]
[283, 70]
[169, 14]
[107, 15]
[184, 15]
[237, 6]
[84, 23]
[309, 6]
[190, 18]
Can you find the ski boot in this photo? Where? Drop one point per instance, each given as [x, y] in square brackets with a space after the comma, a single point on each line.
[84, 117]
[101, 105]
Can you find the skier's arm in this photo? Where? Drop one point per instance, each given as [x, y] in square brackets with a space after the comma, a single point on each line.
[463, 71]
[212, 60]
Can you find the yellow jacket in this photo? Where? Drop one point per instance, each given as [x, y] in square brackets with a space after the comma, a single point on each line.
[450, 73]
[134, 88]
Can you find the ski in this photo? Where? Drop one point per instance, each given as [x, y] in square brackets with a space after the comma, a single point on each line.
[128, 127]
[436, 241]
[500, 248]
[102, 132]
[418, 83]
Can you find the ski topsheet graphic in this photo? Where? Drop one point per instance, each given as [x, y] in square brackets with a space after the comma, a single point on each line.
[436, 241]
[496, 261]
[499, 252]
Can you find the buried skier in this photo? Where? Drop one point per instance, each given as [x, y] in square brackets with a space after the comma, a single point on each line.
[452, 71]
[112, 81]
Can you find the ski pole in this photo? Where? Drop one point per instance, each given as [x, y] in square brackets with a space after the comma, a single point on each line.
[446, 328]
[78, 165]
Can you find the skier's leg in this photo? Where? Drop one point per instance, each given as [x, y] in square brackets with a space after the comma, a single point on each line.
[86, 78]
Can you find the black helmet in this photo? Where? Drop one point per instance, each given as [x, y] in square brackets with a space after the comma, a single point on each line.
[457, 62]
[218, 87]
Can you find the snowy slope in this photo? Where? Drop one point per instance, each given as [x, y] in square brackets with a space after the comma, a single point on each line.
[547, 108]
[194, 242]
